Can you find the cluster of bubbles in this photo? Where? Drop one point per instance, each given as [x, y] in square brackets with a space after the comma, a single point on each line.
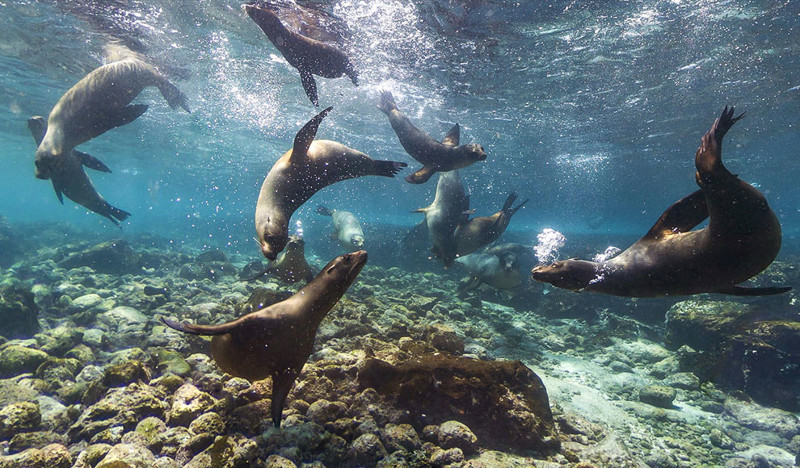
[298, 230]
[550, 241]
[609, 253]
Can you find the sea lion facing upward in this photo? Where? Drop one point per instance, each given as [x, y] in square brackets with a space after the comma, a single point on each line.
[97, 103]
[70, 179]
[346, 227]
[483, 230]
[450, 207]
[742, 238]
[434, 156]
[310, 57]
[291, 265]
[276, 341]
[302, 171]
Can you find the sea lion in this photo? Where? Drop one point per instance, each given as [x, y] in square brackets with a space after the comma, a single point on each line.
[291, 265]
[488, 269]
[434, 156]
[70, 179]
[742, 238]
[511, 254]
[483, 230]
[303, 170]
[276, 341]
[97, 103]
[449, 208]
[346, 227]
[310, 57]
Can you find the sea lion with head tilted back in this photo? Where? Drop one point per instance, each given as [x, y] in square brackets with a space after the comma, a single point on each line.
[434, 156]
[276, 341]
[742, 238]
[450, 207]
[291, 265]
[302, 171]
[97, 103]
[483, 230]
[310, 57]
[71, 180]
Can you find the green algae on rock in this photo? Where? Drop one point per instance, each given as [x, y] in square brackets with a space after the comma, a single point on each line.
[112, 257]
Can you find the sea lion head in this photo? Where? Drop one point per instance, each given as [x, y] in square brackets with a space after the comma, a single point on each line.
[508, 261]
[295, 243]
[475, 152]
[343, 270]
[570, 274]
[273, 236]
[48, 162]
[357, 240]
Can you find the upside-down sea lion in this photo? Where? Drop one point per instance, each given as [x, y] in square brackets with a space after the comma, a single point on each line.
[346, 228]
[434, 156]
[276, 341]
[742, 238]
[70, 179]
[488, 269]
[483, 230]
[449, 208]
[303, 170]
[310, 57]
[97, 103]
[291, 265]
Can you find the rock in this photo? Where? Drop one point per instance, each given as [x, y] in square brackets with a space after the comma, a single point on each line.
[444, 338]
[657, 395]
[86, 302]
[447, 457]
[453, 434]
[127, 456]
[115, 257]
[151, 429]
[277, 461]
[214, 255]
[322, 411]
[50, 456]
[26, 440]
[367, 450]
[172, 362]
[125, 373]
[18, 311]
[211, 423]
[703, 325]
[400, 437]
[503, 401]
[683, 380]
[233, 451]
[95, 338]
[54, 414]
[261, 298]
[19, 417]
[16, 359]
[188, 403]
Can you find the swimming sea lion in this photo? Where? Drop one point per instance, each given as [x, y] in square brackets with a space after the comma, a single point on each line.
[742, 238]
[310, 57]
[449, 208]
[346, 227]
[276, 341]
[511, 254]
[291, 265]
[483, 230]
[309, 166]
[488, 269]
[70, 179]
[434, 156]
[97, 103]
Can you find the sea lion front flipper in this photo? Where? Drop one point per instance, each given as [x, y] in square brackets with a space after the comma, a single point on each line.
[743, 291]
[281, 385]
[91, 162]
[469, 283]
[58, 189]
[453, 136]
[681, 216]
[201, 329]
[309, 85]
[421, 176]
[304, 138]
[125, 116]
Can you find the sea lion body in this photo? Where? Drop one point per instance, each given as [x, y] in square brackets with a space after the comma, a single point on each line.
[97, 103]
[483, 230]
[302, 171]
[309, 56]
[742, 238]
[488, 269]
[511, 254]
[276, 341]
[449, 208]
[346, 228]
[434, 156]
[291, 265]
[70, 179]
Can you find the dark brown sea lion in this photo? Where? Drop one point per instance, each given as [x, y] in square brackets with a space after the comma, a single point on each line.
[291, 265]
[742, 238]
[310, 57]
[70, 179]
[303, 170]
[483, 230]
[434, 156]
[450, 207]
[276, 341]
[97, 103]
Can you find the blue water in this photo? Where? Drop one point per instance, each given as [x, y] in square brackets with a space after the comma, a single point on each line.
[593, 110]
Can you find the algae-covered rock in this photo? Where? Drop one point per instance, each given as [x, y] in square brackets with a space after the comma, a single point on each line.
[126, 372]
[400, 437]
[19, 417]
[172, 362]
[366, 450]
[38, 439]
[18, 311]
[444, 338]
[50, 456]
[16, 359]
[59, 340]
[233, 451]
[127, 456]
[188, 403]
[210, 423]
[453, 434]
[112, 257]
[704, 325]
[657, 395]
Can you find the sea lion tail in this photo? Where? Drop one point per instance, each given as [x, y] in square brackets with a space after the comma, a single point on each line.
[387, 103]
[387, 168]
[174, 97]
[324, 211]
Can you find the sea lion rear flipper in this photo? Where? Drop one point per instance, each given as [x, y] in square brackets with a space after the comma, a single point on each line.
[386, 168]
[91, 162]
[453, 136]
[281, 385]
[121, 215]
[306, 135]
[173, 96]
[709, 155]
[201, 329]
[387, 103]
[421, 176]
[310, 86]
[681, 216]
[469, 283]
[743, 291]
[57, 188]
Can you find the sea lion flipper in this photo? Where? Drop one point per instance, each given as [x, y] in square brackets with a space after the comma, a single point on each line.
[453, 136]
[174, 97]
[124, 116]
[281, 385]
[743, 291]
[310, 85]
[59, 191]
[709, 155]
[38, 128]
[386, 168]
[469, 283]
[387, 104]
[115, 212]
[681, 216]
[306, 135]
[201, 329]
[421, 176]
[91, 162]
